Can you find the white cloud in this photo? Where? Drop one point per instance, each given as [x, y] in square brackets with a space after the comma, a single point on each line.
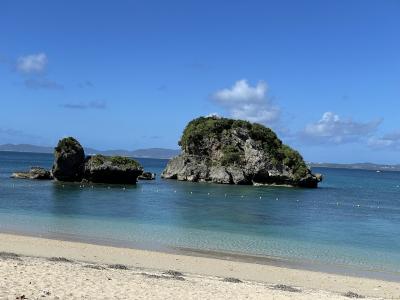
[333, 129]
[243, 101]
[388, 141]
[33, 63]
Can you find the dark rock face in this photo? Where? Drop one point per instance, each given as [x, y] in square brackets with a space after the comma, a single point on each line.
[34, 173]
[69, 160]
[237, 152]
[147, 176]
[111, 169]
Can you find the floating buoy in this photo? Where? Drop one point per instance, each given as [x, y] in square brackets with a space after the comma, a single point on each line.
[277, 199]
[260, 197]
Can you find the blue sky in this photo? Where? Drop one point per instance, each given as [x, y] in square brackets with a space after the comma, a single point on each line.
[130, 74]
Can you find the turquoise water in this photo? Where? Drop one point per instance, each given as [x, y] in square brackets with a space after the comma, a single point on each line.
[353, 219]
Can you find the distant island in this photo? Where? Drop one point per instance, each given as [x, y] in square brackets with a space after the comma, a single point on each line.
[161, 153]
[356, 166]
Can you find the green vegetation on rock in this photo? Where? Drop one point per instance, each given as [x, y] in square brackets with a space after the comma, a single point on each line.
[67, 144]
[294, 160]
[231, 156]
[201, 130]
[118, 161]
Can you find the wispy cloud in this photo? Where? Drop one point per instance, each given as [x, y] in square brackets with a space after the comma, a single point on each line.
[32, 64]
[332, 129]
[85, 84]
[152, 137]
[42, 83]
[198, 66]
[162, 88]
[98, 104]
[390, 141]
[243, 101]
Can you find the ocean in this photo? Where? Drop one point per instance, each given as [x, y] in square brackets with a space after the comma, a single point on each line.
[352, 221]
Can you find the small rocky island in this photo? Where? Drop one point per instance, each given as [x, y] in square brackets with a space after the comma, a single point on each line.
[231, 151]
[71, 165]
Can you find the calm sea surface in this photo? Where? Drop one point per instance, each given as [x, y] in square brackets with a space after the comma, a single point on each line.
[353, 219]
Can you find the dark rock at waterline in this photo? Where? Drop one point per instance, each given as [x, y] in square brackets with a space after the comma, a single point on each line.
[34, 173]
[147, 176]
[111, 169]
[69, 160]
[71, 165]
[231, 151]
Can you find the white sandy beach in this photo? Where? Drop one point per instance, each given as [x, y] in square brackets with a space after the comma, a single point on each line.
[88, 275]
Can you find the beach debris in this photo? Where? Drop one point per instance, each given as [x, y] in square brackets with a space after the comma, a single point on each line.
[95, 267]
[232, 279]
[351, 294]
[46, 293]
[155, 276]
[173, 273]
[152, 275]
[9, 255]
[60, 259]
[21, 297]
[118, 267]
[286, 288]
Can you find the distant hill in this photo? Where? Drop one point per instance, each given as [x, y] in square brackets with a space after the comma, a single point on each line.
[141, 153]
[358, 166]
[26, 148]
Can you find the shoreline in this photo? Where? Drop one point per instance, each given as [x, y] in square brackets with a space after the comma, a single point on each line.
[209, 267]
[314, 266]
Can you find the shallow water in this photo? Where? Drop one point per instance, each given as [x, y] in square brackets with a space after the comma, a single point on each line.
[353, 219]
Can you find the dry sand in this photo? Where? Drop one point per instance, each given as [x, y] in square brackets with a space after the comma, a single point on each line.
[87, 272]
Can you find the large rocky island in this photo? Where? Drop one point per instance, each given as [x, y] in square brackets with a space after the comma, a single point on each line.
[231, 151]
